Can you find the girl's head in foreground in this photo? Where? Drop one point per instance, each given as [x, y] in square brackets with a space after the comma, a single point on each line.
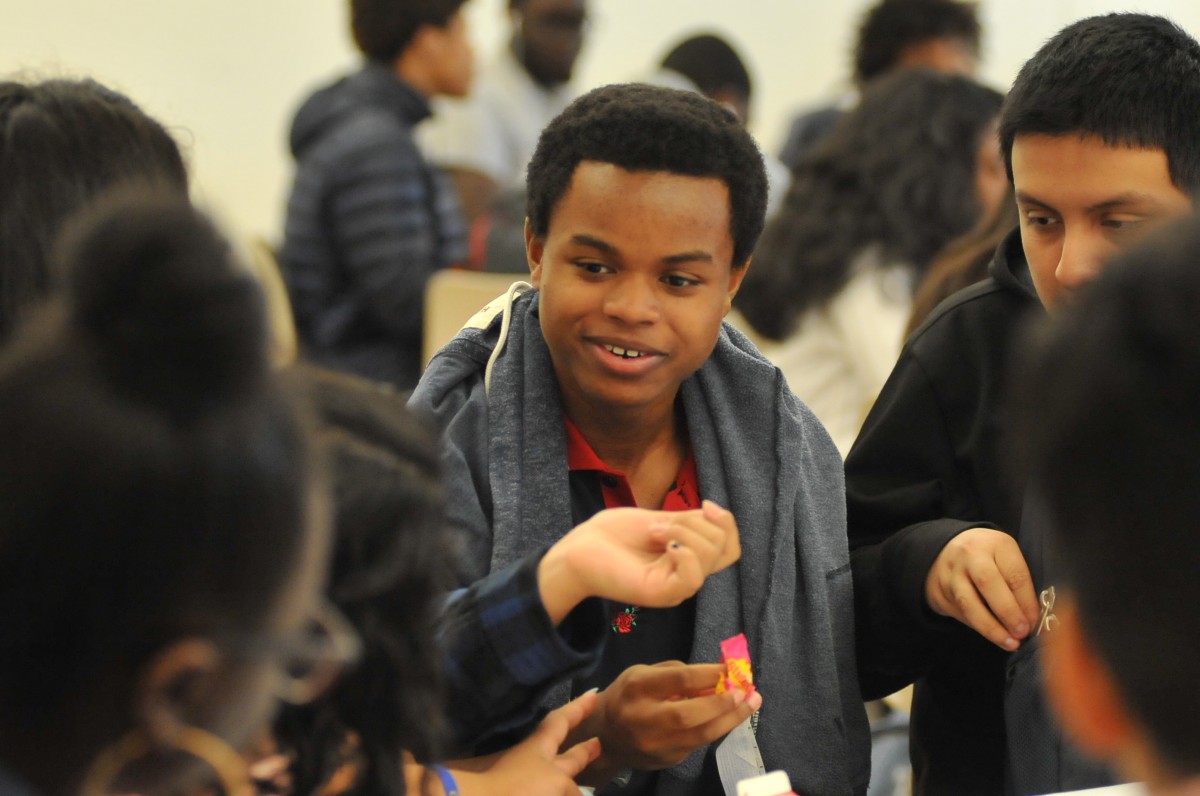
[62, 144]
[161, 548]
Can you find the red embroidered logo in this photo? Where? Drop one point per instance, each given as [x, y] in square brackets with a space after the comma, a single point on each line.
[625, 621]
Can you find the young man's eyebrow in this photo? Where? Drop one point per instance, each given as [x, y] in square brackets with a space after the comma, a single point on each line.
[594, 243]
[688, 257]
[1026, 199]
[1120, 200]
[698, 255]
[1127, 198]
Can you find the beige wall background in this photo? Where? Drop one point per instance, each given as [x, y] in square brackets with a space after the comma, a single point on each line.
[226, 75]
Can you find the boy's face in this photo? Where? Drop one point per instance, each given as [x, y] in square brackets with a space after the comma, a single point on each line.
[1081, 201]
[635, 277]
[452, 61]
[551, 35]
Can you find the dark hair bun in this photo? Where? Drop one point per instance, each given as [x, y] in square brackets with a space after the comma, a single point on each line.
[152, 282]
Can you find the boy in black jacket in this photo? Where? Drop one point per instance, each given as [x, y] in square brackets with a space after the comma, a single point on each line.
[1101, 133]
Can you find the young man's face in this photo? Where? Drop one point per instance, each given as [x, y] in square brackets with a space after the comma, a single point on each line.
[551, 35]
[452, 62]
[635, 277]
[1081, 201]
[950, 54]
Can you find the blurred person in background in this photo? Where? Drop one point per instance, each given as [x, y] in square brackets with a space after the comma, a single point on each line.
[369, 219]
[943, 35]
[485, 139]
[911, 168]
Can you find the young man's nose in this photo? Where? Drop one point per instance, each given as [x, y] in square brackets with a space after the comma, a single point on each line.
[633, 300]
[1081, 259]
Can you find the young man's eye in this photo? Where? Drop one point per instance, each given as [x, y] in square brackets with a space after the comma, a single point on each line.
[1039, 221]
[676, 280]
[1122, 224]
[592, 267]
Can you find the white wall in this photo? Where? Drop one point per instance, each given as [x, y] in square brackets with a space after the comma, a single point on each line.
[225, 75]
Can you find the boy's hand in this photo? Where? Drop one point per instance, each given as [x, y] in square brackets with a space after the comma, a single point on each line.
[981, 579]
[534, 767]
[655, 559]
[652, 717]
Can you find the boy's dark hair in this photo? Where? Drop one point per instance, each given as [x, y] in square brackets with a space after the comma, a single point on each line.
[382, 29]
[154, 481]
[898, 172]
[1130, 79]
[711, 63]
[891, 26]
[649, 128]
[1110, 435]
[391, 565]
[62, 143]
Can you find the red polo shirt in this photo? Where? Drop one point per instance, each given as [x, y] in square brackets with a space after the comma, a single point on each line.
[683, 495]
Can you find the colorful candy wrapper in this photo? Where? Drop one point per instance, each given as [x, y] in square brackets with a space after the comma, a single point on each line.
[735, 654]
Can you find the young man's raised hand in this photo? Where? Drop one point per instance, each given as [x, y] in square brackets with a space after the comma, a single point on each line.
[655, 559]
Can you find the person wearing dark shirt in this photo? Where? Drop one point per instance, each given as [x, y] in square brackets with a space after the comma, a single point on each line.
[368, 219]
[608, 383]
[1097, 157]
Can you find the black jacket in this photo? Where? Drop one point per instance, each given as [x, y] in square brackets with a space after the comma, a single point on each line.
[929, 464]
[368, 222]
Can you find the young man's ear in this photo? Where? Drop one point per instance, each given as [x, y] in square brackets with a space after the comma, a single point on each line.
[535, 248]
[736, 275]
[173, 686]
[1081, 688]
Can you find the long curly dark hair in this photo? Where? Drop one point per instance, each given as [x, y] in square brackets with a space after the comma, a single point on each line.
[897, 172]
[391, 569]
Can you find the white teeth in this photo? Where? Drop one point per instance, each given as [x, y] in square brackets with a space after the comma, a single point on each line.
[624, 352]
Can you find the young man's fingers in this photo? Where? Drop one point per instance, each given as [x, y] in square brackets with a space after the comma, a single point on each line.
[997, 595]
[578, 757]
[724, 518]
[716, 544]
[672, 679]
[699, 728]
[682, 718]
[970, 609]
[706, 552]
[558, 723]
[687, 575]
[1015, 571]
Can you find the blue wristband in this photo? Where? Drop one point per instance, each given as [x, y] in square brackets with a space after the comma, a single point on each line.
[448, 783]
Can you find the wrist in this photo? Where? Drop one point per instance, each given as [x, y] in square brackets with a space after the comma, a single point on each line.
[443, 779]
[559, 586]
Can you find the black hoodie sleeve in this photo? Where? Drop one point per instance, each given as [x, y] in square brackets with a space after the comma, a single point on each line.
[926, 466]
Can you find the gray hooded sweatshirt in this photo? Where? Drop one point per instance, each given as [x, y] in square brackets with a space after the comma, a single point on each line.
[759, 452]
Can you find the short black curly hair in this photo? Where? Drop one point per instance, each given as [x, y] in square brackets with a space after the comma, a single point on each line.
[1128, 79]
[382, 29]
[639, 127]
[891, 26]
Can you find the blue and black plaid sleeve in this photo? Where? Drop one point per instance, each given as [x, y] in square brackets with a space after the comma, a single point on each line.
[503, 653]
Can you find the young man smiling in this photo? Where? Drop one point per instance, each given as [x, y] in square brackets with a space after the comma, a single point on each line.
[1101, 132]
[614, 382]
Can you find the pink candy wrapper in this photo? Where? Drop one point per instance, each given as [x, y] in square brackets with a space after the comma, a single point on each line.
[735, 654]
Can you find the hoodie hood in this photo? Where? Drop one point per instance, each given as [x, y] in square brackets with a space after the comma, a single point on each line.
[1009, 267]
[375, 87]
